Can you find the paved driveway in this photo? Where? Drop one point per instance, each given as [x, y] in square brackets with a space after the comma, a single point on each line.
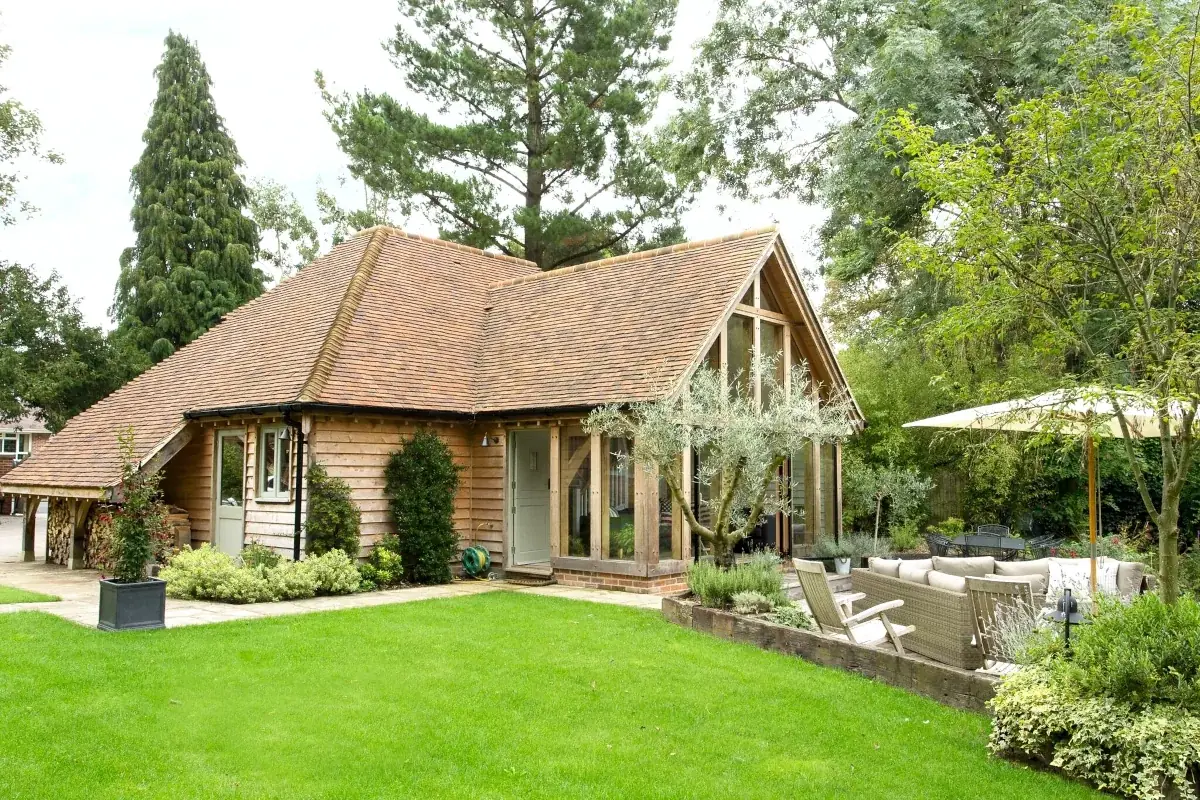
[10, 536]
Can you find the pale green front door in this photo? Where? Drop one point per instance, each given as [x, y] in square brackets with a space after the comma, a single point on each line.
[230, 523]
[529, 474]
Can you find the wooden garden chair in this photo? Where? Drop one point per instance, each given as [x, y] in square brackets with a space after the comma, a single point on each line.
[990, 601]
[836, 616]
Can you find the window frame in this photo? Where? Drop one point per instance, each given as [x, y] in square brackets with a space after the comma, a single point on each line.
[261, 492]
[22, 445]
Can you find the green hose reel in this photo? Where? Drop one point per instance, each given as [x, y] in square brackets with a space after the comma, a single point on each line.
[476, 561]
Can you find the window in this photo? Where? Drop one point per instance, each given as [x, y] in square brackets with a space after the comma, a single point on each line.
[771, 340]
[15, 444]
[618, 523]
[767, 297]
[740, 353]
[829, 490]
[274, 463]
[798, 484]
[670, 524]
[576, 482]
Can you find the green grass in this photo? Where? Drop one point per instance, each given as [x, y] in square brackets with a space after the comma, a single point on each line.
[496, 695]
[9, 594]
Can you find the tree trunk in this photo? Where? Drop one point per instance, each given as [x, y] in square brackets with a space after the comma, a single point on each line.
[878, 512]
[535, 175]
[1168, 549]
[722, 552]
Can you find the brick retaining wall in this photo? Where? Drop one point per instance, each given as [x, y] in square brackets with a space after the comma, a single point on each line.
[948, 685]
[661, 584]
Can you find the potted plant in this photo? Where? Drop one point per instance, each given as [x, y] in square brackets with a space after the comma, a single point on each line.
[131, 599]
[840, 551]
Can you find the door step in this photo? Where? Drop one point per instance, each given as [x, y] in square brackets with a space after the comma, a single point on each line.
[529, 581]
[530, 575]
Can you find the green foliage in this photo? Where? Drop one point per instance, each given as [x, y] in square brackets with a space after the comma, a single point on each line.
[1142, 752]
[333, 518]
[140, 518]
[1079, 230]
[277, 213]
[949, 527]
[869, 489]
[50, 359]
[716, 586]
[792, 616]
[743, 444]
[20, 140]
[1143, 653]
[208, 574]
[1189, 572]
[257, 554]
[828, 547]
[752, 603]
[384, 567]
[422, 480]
[193, 260]
[541, 150]
[904, 536]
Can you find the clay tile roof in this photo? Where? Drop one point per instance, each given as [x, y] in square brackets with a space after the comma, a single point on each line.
[390, 320]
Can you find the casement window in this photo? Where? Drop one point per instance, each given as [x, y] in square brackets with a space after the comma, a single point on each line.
[15, 445]
[274, 463]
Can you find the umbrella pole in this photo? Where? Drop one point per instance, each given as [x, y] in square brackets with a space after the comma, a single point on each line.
[1091, 465]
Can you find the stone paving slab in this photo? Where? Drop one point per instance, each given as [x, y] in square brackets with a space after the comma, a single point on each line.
[80, 593]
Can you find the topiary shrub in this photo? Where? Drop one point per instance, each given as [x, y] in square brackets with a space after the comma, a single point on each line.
[333, 519]
[422, 480]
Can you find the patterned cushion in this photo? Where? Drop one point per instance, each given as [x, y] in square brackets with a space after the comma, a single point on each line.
[944, 580]
[1073, 574]
[885, 566]
[977, 566]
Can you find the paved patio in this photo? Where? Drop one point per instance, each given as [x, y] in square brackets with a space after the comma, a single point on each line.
[80, 591]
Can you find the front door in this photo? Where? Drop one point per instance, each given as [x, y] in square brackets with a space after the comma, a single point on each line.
[529, 472]
[231, 491]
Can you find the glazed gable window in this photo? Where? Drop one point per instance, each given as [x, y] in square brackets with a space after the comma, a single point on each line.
[274, 463]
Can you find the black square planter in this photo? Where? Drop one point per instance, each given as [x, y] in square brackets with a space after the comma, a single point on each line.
[132, 606]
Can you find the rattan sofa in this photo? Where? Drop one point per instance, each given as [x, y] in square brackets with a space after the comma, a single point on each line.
[944, 625]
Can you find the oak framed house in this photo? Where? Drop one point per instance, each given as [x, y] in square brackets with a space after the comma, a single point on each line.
[390, 332]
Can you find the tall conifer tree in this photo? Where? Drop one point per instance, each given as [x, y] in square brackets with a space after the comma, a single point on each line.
[194, 257]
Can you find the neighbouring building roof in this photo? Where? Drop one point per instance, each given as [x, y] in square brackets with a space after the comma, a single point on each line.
[29, 423]
[391, 320]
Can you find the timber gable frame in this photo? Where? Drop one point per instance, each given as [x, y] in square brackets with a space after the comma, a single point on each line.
[433, 333]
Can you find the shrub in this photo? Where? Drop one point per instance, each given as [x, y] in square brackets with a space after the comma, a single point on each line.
[1147, 753]
[715, 587]
[752, 603]
[1143, 653]
[198, 574]
[384, 567]
[333, 519]
[422, 480]
[333, 573]
[208, 574]
[256, 554]
[904, 536]
[826, 547]
[793, 616]
[949, 527]
[140, 519]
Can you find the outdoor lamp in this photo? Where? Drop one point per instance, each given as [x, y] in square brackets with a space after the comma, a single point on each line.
[1068, 614]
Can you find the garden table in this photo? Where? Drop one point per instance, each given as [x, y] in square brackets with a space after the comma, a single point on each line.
[1006, 548]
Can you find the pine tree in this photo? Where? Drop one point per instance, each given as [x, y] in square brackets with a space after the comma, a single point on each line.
[194, 257]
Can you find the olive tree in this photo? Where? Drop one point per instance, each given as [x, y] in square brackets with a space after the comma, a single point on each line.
[743, 444]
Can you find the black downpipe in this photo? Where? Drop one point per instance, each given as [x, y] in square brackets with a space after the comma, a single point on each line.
[299, 485]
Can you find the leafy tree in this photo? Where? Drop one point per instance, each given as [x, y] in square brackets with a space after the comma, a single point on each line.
[1083, 222]
[744, 446]
[422, 480]
[20, 136]
[276, 212]
[333, 519]
[50, 360]
[903, 489]
[541, 150]
[193, 260]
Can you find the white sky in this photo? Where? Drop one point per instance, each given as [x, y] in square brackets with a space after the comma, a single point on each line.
[86, 68]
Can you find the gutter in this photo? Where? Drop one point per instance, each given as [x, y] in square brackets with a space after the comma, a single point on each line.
[307, 407]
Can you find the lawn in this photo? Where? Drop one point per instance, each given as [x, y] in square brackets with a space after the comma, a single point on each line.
[496, 695]
[9, 594]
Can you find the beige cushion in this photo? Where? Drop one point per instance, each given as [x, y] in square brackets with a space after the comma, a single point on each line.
[1039, 566]
[1073, 574]
[976, 566]
[1037, 581]
[885, 566]
[914, 571]
[1129, 578]
[944, 580]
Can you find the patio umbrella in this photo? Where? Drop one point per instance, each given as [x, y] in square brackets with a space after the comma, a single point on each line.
[1083, 412]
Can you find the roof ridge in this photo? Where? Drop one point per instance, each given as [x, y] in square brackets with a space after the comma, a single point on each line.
[392, 230]
[355, 290]
[638, 256]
